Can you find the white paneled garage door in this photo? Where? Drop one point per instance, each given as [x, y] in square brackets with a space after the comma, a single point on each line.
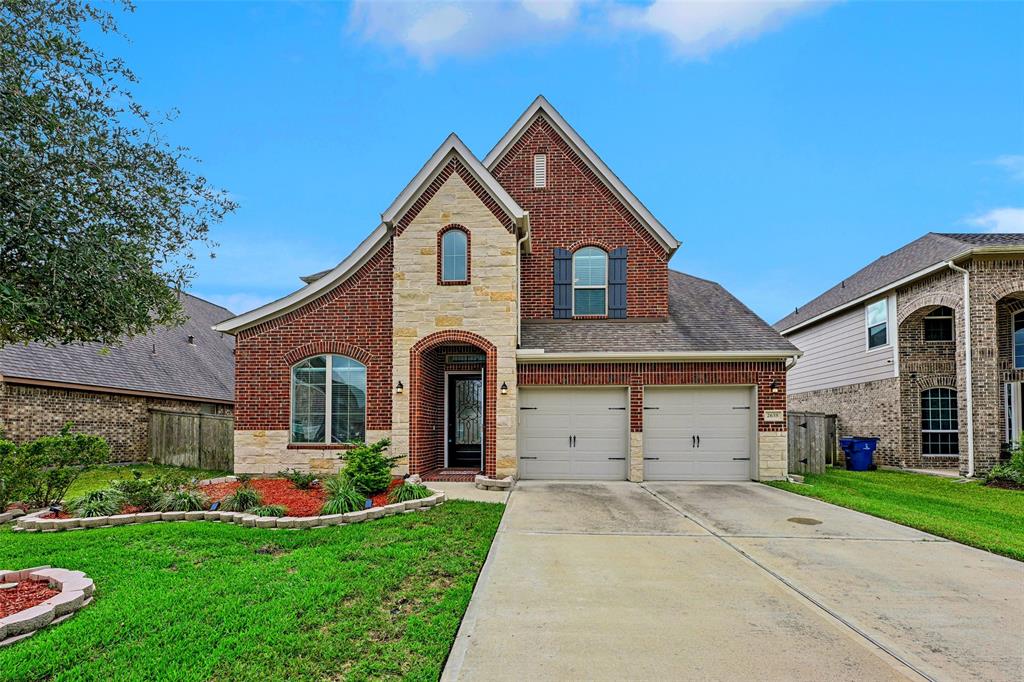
[573, 433]
[697, 433]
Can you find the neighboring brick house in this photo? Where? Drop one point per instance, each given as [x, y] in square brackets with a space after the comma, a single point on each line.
[514, 315]
[885, 350]
[110, 391]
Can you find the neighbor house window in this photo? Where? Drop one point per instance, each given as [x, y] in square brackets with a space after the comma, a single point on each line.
[940, 424]
[1018, 340]
[328, 411]
[540, 170]
[938, 324]
[878, 323]
[590, 282]
[454, 256]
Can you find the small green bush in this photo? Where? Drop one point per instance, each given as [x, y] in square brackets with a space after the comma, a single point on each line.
[408, 491]
[16, 475]
[184, 499]
[342, 497]
[143, 493]
[104, 502]
[58, 460]
[243, 499]
[1012, 471]
[269, 510]
[368, 468]
[299, 479]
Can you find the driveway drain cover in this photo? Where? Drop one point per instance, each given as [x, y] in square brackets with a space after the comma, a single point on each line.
[805, 521]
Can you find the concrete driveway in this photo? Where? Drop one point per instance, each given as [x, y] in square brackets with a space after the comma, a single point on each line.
[730, 582]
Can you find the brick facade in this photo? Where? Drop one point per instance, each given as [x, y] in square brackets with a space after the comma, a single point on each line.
[29, 412]
[576, 209]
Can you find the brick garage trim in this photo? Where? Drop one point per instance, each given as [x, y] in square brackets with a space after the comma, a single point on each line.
[419, 436]
[454, 166]
[639, 375]
[440, 256]
[315, 348]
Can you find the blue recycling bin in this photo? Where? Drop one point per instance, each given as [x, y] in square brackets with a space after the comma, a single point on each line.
[860, 452]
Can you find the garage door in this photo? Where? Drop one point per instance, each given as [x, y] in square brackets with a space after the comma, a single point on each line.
[697, 434]
[573, 433]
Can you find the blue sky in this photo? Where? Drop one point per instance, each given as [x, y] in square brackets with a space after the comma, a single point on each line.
[786, 144]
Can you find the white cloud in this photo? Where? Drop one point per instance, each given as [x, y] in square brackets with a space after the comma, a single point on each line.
[1012, 164]
[1000, 220]
[429, 30]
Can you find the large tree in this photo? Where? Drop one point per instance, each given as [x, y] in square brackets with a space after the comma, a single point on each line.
[100, 216]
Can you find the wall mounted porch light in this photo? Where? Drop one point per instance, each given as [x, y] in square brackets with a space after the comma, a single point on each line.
[504, 388]
[399, 388]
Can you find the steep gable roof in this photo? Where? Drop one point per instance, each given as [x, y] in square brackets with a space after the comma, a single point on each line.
[541, 107]
[916, 258]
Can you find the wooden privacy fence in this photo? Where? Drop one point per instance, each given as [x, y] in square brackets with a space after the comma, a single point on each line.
[201, 441]
[812, 442]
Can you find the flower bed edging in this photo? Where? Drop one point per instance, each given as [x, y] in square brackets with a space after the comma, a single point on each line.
[76, 590]
[31, 523]
[499, 484]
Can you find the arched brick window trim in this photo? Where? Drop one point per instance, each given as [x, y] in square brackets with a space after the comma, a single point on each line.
[584, 243]
[1006, 288]
[327, 348]
[469, 255]
[927, 383]
[418, 428]
[928, 301]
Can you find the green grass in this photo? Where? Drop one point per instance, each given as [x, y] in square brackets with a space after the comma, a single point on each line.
[987, 518]
[101, 476]
[211, 601]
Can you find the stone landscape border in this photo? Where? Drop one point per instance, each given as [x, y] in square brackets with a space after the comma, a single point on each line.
[33, 523]
[10, 515]
[501, 484]
[76, 590]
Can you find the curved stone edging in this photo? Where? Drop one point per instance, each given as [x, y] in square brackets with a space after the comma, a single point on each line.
[76, 590]
[32, 523]
[500, 484]
[10, 515]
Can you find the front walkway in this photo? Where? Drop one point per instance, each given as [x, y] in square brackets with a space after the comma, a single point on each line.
[730, 581]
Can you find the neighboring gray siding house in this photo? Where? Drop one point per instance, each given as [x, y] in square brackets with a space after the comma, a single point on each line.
[110, 391]
[885, 350]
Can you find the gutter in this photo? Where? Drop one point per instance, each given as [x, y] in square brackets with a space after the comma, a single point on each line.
[519, 277]
[968, 350]
[539, 355]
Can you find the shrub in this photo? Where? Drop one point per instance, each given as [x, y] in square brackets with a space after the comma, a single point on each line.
[342, 496]
[299, 479]
[243, 499]
[269, 510]
[58, 460]
[16, 476]
[1012, 471]
[184, 499]
[408, 491]
[368, 468]
[105, 502]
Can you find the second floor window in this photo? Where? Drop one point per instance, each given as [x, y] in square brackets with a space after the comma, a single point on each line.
[453, 256]
[878, 323]
[590, 282]
[938, 324]
[1018, 340]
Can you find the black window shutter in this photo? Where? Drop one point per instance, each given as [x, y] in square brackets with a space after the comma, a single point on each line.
[617, 283]
[563, 284]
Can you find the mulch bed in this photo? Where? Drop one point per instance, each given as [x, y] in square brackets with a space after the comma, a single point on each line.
[1007, 485]
[24, 595]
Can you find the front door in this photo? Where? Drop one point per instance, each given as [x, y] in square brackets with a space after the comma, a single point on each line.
[465, 420]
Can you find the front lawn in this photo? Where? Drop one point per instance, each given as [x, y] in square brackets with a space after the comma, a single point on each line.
[100, 476]
[988, 518]
[211, 601]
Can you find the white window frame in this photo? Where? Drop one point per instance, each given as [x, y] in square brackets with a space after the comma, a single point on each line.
[1013, 339]
[590, 286]
[465, 256]
[932, 316]
[328, 384]
[956, 395]
[888, 325]
[540, 171]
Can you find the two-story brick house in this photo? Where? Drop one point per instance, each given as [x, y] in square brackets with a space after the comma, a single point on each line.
[886, 350]
[514, 315]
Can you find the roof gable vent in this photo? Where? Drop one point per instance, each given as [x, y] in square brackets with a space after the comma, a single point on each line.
[540, 170]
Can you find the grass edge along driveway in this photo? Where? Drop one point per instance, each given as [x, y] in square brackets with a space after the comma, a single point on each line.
[210, 601]
[987, 518]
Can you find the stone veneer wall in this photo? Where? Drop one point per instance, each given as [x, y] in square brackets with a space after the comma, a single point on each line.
[28, 412]
[486, 307]
[868, 409]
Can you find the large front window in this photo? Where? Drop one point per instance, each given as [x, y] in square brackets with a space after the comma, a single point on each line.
[328, 411]
[590, 282]
[1018, 340]
[940, 424]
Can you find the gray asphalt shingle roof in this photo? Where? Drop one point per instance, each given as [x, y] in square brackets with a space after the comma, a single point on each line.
[702, 317]
[932, 248]
[204, 370]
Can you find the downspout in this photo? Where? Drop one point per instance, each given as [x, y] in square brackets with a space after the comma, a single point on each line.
[519, 280]
[970, 374]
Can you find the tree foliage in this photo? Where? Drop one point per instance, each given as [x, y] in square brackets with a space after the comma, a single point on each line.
[99, 215]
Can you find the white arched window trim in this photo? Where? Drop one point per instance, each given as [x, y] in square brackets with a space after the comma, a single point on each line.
[319, 412]
[590, 281]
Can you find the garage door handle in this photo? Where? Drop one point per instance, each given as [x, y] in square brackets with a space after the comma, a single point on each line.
[652, 408]
[650, 458]
[616, 408]
[698, 441]
[527, 408]
[621, 458]
[739, 459]
[522, 457]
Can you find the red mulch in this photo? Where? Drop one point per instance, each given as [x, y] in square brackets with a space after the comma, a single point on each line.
[27, 594]
[380, 499]
[58, 515]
